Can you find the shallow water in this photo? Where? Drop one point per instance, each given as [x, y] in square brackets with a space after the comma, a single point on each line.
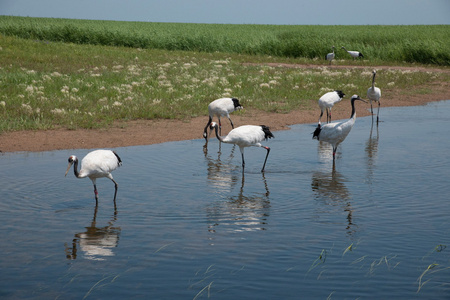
[190, 225]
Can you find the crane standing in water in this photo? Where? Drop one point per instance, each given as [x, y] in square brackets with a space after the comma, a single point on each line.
[374, 94]
[335, 133]
[96, 164]
[246, 136]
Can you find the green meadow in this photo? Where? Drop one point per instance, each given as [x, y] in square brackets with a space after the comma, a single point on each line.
[87, 74]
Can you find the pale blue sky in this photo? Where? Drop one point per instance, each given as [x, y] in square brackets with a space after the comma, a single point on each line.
[310, 12]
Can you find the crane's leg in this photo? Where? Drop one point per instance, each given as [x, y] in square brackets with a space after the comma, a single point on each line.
[205, 132]
[96, 193]
[220, 127]
[378, 112]
[334, 153]
[115, 192]
[371, 109]
[243, 161]
[232, 125]
[329, 114]
[267, 155]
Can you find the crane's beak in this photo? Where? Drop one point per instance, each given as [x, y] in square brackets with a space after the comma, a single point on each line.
[68, 168]
[359, 98]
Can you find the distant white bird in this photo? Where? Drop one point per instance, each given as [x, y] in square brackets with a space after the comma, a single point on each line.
[354, 54]
[335, 133]
[221, 107]
[327, 101]
[96, 164]
[374, 94]
[246, 136]
[330, 56]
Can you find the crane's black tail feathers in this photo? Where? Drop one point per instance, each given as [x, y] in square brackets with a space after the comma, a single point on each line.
[316, 132]
[267, 133]
[119, 163]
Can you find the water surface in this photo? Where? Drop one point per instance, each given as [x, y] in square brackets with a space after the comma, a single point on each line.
[190, 225]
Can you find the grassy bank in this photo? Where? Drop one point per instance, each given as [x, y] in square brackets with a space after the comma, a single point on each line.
[48, 84]
[411, 44]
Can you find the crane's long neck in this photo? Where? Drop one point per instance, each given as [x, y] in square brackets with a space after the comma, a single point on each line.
[75, 168]
[353, 116]
[217, 133]
[373, 81]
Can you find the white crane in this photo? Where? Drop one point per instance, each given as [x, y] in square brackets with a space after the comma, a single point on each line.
[246, 136]
[335, 133]
[221, 107]
[354, 54]
[330, 56]
[96, 164]
[327, 101]
[374, 94]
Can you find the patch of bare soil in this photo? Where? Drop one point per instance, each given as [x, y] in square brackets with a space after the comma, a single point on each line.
[146, 132]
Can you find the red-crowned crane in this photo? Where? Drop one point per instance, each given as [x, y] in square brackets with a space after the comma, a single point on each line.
[330, 56]
[335, 133]
[354, 54]
[374, 94]
[96, 164]
[246, 136]
[327, 101]
[221, 107]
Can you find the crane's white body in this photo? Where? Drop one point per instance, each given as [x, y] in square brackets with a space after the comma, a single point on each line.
[330, 56]
[96, 164]
[354, 54]
[374, 94]
[221, 108]
[246, 136]
[336, 132]
[327, 101]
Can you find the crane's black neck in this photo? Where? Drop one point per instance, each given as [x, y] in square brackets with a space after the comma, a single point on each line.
[75, 167]
[373, 80]
[216, 127]
[353, 108]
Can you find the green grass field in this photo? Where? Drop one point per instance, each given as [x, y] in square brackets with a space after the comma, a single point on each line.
[88, 74]
[412, 44]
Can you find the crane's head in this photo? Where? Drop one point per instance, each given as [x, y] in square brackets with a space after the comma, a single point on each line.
[213, 125]
[71, 160]
[236, 104]
[340, 93]
[356, 97]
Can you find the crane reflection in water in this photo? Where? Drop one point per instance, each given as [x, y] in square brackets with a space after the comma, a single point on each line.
[330, 191]
[96, 243]
[241, 211]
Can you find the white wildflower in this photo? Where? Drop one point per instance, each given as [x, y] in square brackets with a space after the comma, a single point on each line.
[58, 111]
[27, 108]
[2, 103]
[65, 89]
[117, 103]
